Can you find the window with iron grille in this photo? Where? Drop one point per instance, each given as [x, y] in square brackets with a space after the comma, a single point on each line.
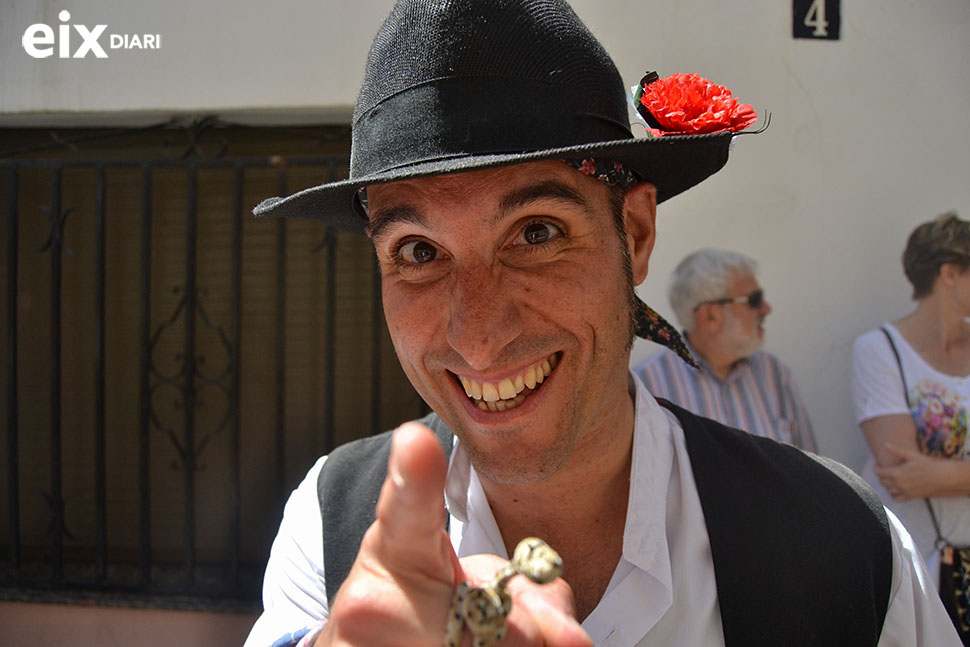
[172, 366]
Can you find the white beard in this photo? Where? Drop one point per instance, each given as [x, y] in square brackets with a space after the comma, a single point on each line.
[735, 341]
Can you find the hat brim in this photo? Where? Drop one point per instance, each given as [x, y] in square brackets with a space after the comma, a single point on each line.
[672, 163]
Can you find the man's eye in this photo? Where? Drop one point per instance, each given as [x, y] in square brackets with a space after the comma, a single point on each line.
[536, 233]
[417, 251]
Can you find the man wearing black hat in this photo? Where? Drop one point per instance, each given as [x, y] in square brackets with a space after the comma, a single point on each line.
[512, 213]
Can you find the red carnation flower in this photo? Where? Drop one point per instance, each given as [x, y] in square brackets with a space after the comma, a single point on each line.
[690, 104]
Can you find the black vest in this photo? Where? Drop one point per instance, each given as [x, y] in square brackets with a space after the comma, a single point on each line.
[801, 546]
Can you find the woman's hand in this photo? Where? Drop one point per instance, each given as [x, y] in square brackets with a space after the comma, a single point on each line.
[918, 475]
[915, 476]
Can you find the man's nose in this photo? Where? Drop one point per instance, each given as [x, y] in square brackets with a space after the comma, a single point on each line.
[483, 316]
[765, 308]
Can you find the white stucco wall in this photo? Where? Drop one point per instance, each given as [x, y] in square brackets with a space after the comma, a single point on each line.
[870, 134]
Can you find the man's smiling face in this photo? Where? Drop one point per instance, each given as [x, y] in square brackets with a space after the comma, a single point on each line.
[507, 295]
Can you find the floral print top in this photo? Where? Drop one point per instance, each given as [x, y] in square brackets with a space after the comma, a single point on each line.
[938, 404]
[940, 415]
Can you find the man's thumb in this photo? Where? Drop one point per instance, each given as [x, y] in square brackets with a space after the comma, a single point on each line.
[411, 508]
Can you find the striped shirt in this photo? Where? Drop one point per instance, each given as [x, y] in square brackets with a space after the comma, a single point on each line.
[758, 396]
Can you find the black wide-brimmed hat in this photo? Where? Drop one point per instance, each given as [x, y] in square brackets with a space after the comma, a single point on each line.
[460, 85]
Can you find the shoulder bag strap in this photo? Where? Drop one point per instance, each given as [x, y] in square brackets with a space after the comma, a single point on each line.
[940, 542]
[899, 363]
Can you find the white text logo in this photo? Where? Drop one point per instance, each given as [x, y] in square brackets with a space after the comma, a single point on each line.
[39, 40]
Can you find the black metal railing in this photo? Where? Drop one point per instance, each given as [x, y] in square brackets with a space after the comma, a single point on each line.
[177, 384]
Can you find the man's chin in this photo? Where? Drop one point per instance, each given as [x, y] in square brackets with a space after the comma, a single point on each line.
[756, 343]
[526, 450]
[514, 466]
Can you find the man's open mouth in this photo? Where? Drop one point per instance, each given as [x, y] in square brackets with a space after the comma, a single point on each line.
[511, 391]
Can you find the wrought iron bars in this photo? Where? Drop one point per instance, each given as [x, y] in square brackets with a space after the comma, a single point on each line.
[193, 311]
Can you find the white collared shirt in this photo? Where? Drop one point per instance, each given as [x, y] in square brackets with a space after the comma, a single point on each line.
[663, 591]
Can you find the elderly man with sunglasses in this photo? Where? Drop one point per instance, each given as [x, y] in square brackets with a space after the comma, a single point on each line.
[722, 309]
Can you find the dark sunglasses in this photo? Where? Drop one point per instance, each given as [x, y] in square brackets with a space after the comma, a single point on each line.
[754, 300]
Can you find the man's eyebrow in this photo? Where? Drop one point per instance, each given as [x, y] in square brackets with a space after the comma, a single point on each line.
[382, 219]
[547, 190]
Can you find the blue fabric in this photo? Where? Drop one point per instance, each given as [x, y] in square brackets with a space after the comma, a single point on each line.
[291, 639]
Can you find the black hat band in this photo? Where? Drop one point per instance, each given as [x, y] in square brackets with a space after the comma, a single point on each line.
[457, 117]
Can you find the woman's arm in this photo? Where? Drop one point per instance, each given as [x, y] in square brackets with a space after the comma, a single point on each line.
[903, 469]
[896, 430]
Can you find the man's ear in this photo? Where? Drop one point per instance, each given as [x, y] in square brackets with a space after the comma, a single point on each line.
[639, 217]
[708, 319]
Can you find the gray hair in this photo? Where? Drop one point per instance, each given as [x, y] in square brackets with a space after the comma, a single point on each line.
[702, 276]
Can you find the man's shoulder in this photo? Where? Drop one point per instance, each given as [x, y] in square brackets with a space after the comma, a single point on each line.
[797, 472]
[375, 449]
[812, 519]
[767, 358]
[361, 446]
[662, 360]
[803, 493]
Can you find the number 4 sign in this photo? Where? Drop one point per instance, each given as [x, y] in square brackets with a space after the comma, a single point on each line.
[816, 19]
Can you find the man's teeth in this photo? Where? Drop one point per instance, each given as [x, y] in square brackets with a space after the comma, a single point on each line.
[508, 393]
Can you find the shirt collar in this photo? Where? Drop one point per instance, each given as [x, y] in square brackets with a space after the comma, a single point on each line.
[472, 520]
[457, 481]
[645, 534]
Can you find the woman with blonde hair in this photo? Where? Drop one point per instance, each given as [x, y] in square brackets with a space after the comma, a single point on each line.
[911, 387]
